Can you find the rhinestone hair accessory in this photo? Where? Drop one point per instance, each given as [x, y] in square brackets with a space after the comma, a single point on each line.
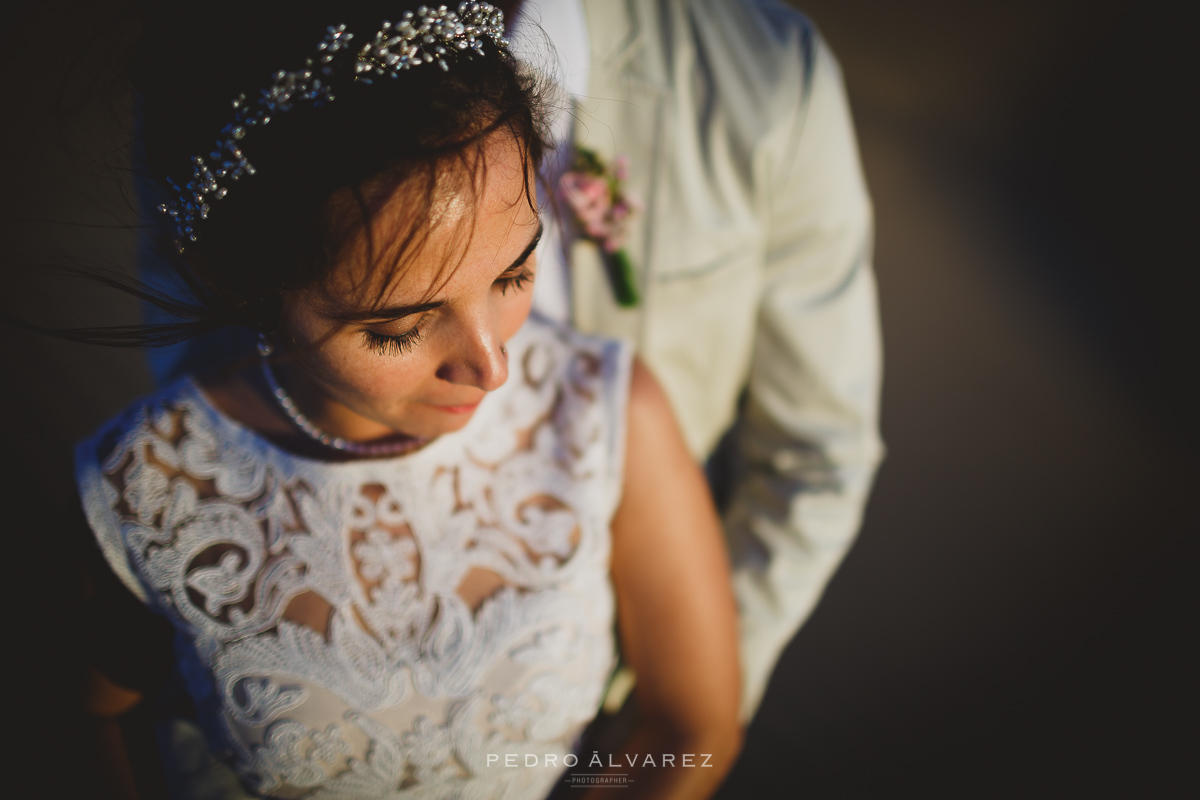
[424, 37]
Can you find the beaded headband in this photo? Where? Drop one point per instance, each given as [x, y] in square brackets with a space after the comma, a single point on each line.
[425, 37]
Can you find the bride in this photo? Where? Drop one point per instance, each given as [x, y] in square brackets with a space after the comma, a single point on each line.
[393, 552]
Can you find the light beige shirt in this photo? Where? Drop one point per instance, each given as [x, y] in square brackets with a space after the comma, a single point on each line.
[551, 38]
[753, 256]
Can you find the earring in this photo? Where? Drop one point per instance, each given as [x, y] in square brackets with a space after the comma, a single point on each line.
[266, 345]
[503, 350]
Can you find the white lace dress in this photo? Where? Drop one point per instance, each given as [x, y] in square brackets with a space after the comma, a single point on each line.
[321, 628]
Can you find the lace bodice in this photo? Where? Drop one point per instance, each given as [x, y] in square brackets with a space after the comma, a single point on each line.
[379, 628]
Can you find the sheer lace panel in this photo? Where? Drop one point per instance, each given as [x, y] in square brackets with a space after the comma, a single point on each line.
[358, 628]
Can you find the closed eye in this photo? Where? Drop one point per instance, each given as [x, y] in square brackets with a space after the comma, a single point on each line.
[394, 345]
[518, 281]
[518, 275]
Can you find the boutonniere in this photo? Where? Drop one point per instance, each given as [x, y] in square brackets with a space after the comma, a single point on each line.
[603, 207]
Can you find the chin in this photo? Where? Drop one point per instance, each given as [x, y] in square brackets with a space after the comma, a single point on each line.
[436, 426]
[458, 423]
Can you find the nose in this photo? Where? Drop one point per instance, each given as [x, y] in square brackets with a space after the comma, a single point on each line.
[478, 357]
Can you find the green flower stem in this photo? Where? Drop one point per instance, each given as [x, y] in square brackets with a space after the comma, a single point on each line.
[624, 283]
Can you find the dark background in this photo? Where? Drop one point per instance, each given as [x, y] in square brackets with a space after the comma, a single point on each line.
[1015, 618]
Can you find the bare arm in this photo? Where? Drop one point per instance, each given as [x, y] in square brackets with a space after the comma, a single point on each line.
[126, 648]
[676, 613]
[106, 701]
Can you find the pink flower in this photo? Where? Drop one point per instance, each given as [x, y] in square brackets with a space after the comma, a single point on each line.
[621, 168]
[596, 195]
[601, 206]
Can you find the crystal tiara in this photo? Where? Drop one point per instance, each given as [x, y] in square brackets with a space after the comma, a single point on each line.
[424, 37]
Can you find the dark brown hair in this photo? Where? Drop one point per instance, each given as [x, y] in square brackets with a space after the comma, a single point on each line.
[322, 173]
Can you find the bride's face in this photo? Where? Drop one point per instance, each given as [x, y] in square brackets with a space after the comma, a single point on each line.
[416, 352]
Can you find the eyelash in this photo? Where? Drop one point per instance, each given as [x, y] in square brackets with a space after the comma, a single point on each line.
[518, 281]
[390, 345]
[384, 345]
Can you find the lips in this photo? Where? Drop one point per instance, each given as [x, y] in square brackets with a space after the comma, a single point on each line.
[458, 409]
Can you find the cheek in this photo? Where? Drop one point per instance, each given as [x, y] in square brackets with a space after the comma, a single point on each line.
[357, 375]
[514, 311]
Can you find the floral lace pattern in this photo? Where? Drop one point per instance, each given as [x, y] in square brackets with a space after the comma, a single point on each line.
[382, 628]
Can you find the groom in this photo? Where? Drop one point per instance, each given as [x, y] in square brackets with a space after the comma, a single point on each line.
[751, 262]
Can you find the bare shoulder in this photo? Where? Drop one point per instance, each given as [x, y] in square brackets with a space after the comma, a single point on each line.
[651, 419]
[660, 473]
[646, 395]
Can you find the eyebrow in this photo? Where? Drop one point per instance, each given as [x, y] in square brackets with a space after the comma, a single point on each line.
[398, 312]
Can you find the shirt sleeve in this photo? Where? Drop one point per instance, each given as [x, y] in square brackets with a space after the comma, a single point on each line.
[808, 436]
